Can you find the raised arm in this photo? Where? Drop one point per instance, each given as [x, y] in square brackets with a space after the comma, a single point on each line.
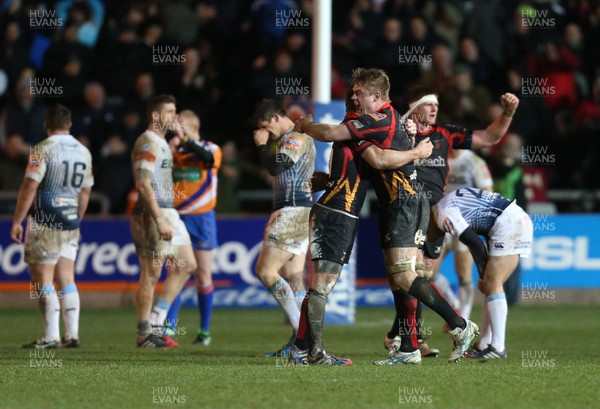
[497, 129]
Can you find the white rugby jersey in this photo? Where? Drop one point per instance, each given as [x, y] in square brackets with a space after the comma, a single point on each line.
[153, 154]
[62, 166]
[469, 207]
[468, 170]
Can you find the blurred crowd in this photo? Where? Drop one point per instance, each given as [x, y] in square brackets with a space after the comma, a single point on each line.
[104, 59]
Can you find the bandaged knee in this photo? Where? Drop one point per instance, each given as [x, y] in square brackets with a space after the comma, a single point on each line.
[402, 266]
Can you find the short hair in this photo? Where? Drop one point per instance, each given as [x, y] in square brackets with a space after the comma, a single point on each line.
[265, 110]
[157, 102]
[191, 117]
[57, 117]
[419, 91]
[374, 80]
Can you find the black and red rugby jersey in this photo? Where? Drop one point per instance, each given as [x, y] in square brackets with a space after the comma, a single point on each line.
[385, 129]
[432, 172]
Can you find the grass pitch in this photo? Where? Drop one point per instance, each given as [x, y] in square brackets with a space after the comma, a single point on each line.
[553, 362]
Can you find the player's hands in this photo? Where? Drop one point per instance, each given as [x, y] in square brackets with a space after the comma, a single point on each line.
[411, 127]
[261, 137]
[302, 121]
[319, 181]
[509, 102]
[16, 233]
[164, 230]
[177, 128]
[424, 148]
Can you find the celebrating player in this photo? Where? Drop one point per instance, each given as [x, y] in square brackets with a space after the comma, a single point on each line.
[195, 171]
[158, 232]
[467, 212]
[285, 241]
[58, 182]
[433, 172]
[403, 214]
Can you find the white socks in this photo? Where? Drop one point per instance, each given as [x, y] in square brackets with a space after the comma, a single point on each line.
[493, 322]
[158, 315]
[70, 311]
[299, 297]
[50, 307]
[284, 296]
[466, 293]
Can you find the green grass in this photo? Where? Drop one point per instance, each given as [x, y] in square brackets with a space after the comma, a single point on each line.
[109, 372]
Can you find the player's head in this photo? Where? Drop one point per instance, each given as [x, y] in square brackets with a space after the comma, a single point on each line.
[161, 110]
[190, 123]
[270, 115]
[57, 118]
[371, 88]
[423, 105]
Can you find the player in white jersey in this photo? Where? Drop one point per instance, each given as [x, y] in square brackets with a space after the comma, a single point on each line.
[159, 235]
[55, 193]
[466, 169]
[285, 244]
[468, 212]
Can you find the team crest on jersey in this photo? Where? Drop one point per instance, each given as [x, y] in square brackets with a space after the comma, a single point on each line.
[293, 143]
[356, 124]
[378, 116]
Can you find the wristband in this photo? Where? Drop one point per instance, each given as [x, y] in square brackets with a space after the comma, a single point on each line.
[509, 115]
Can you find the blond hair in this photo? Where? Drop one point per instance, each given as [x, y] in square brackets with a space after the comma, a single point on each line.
[374, 80]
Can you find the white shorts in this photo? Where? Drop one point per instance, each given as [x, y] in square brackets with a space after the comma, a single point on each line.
[512, 233]
[145, 234]
[45, 246]
[287, 229]
[452, 243]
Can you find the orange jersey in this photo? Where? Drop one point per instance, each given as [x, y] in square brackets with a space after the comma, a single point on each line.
[195, 183]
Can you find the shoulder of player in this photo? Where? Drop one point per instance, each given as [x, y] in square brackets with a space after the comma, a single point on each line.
[145, 142]
[296, 140]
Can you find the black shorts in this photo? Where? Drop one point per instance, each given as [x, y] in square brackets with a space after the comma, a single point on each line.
[403, 223]
[332, 234]
[432, 248]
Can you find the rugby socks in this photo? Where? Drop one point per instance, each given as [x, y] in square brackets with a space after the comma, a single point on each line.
[442, 283]
[205, 306]
[48, 302]
[143, 329]
[466, 293]
[299, 297]
[284, 296]
[303, 337]
[70, 311]
[498, 313]
[158, 315]
[406, 309]
[428, 293]
[486, 329]
[395, 331]
[316, 316]
[172, 314]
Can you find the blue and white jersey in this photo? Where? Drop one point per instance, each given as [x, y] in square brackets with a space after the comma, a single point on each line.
[292, 187]
[469, 207]
[62, 166]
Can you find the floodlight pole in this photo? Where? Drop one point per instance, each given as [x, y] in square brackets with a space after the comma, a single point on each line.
[321, 52]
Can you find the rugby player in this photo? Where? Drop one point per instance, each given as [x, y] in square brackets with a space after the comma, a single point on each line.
[158, 233]
[432, 172]
[289, 156]
[403, 212]
[55, 192]
[468, 212]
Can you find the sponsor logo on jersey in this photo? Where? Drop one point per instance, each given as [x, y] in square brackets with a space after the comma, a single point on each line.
[378, 116]
[419, 237]
[356, 124]
[499, 245]
[293, 143]
[434, 163]
[448, 226]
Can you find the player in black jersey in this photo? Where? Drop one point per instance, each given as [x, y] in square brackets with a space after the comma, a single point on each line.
[432, 172]
[379, 132]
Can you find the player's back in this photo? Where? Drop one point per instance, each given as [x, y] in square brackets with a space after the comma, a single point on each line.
[479, 208]
[62, 166]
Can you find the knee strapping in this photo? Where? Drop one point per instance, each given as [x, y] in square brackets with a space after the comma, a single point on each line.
[423, 271]
[401, 266]
[329, 267]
